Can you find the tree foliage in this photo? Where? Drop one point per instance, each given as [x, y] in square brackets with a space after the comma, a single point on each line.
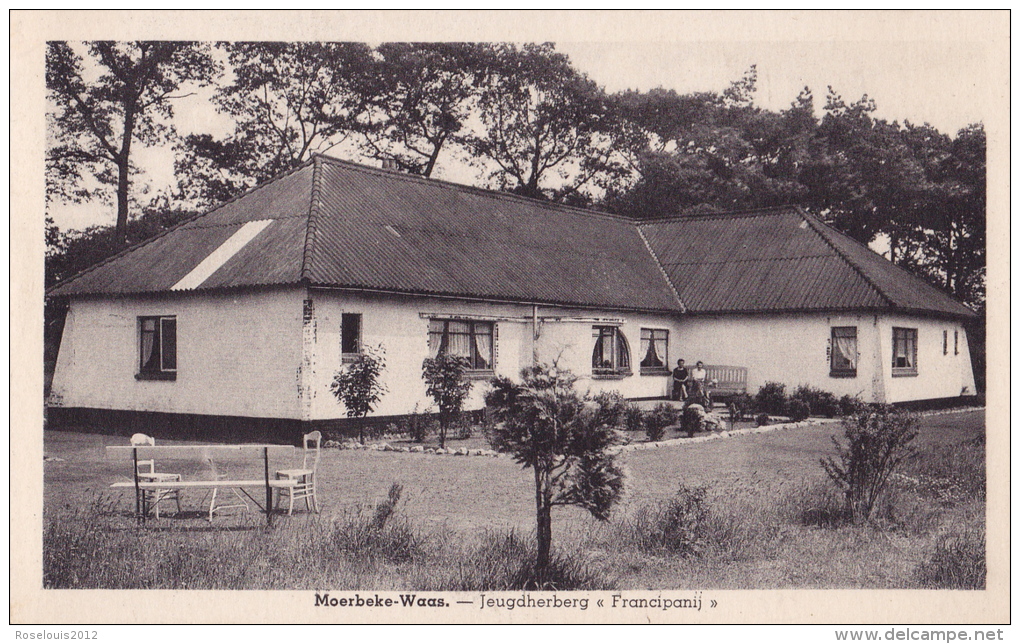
[421, 96]
[564, 438]
[287, 100]
[105, 97]
[545, 126]
[446, 382]
[358, 385]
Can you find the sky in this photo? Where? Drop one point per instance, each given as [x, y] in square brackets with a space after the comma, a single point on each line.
[921, 81]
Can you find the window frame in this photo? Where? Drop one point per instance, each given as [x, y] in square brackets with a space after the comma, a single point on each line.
[834, 371]
[909, 336]
[620, 347]
[347, 357]
[473, 334]
[651, 370]
[161, 342]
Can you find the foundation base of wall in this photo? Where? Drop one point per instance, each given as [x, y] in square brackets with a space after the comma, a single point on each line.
[932, 404]
[228, 429]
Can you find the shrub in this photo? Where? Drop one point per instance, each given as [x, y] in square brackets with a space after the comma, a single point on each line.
[819, 402]
[676, 526]
[464, 429]
[762, 419]
[420, 425]
[850, 405]
[634, 418]
[740, 406]
[877, 443]
[694, 419]
[658, 419]
[771, 399]
[447, 384]
[357, 385]
[958, 561]
[798, 410]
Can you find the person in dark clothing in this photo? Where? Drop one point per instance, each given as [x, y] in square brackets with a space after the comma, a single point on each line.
[680, 377]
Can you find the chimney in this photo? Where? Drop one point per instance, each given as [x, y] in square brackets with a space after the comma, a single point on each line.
[389, 164]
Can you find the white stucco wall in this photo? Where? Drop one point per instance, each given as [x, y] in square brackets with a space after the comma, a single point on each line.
[400, 324]
[237, 355]
[794, 349]
[939, 375]
[252, 354]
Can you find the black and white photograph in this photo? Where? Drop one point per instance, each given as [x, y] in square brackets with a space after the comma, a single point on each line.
[489, 317]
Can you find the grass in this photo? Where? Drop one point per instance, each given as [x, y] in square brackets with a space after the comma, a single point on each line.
[765, 518]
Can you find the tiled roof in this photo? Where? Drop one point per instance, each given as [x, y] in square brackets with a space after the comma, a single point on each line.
[782, 260]
[339, 224]
[331, 223]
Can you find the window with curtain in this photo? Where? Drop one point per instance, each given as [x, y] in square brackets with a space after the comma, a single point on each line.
[843, 356]
[157, 347]
[467, 338]
[654, 351]
[904, 357]
[611, 355]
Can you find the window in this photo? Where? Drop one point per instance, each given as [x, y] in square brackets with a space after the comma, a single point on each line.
[655, 349]
[157, 348]
[350, 336]
[904, 357]
[945, 342]
[956, 342]
[843, 357]
[611, 356]
[472, 340]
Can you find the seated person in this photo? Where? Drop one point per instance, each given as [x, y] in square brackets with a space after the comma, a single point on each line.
[680, 378]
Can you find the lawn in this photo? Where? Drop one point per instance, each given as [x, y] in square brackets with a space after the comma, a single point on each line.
[760, 490]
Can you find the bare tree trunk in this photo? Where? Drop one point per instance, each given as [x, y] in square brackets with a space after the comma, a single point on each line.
[543, 515]
[124, 174]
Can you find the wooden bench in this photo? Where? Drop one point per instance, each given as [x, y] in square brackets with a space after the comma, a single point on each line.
[207, 453]
[729, 381]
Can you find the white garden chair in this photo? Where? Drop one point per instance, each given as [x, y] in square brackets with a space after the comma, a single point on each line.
[147, 473]
[304, 488]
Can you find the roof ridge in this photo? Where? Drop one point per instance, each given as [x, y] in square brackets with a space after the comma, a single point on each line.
[723, 214]
[485, 192]
[812, 221]
[313, 219]
[189, 220]
[662, 269]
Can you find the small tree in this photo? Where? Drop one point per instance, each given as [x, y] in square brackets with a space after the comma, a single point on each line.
[565, 439]
[878, 441]
[357, 385]
[446, 382]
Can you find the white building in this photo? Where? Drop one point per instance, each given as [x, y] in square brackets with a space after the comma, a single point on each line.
[238, 319]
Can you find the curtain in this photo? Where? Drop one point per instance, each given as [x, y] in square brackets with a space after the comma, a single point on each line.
[651, 358]
[435, 337]
[459, 339]
[603, 351]
[622, 351]
[844, 353]
[483, 346]
[150, 360]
